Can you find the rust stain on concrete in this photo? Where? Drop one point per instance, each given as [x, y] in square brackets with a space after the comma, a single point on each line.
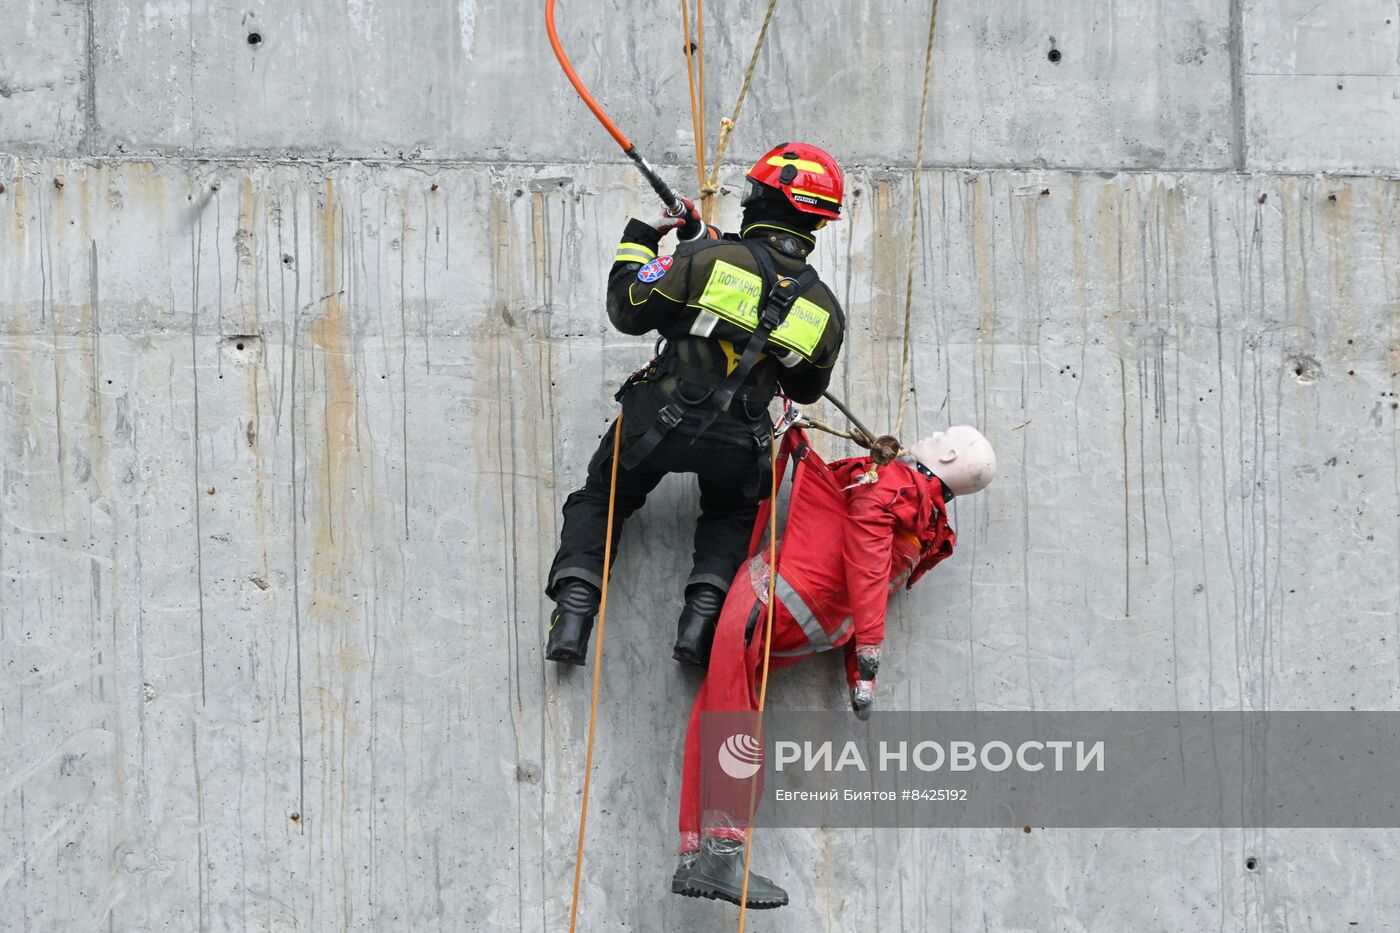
[19, 210]
[1111, 254]
[1079, 266]
[332, 708]
[984, 258]
[336, 476]
[1338, 224]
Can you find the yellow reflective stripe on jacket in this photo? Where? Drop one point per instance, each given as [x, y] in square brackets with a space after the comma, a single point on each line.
[634, 252]
[732, 293]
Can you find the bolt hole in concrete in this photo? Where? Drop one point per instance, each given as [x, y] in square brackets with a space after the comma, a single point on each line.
[255, 39]
[1054, 56]
[1251, 863]
[1306, 369]
[243, 349]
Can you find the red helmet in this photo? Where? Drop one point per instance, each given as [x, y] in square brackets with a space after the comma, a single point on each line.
[809, 178]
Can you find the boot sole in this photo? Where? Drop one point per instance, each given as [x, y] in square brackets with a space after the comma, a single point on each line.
[717, 893]
[561, 657]
[688, 657]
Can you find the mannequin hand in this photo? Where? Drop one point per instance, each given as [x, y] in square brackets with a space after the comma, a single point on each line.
[863, 693]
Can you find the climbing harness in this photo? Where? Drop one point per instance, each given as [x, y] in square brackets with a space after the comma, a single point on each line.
[779, 293]
[597, 674]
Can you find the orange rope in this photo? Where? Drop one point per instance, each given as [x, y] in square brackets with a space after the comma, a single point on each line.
[697, 125]
[700, 67]
[767, 647]
[597, 673]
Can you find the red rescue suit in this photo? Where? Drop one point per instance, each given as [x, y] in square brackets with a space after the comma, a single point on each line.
[847, 544]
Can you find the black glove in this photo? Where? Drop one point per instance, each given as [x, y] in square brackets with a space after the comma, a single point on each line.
[863, 692]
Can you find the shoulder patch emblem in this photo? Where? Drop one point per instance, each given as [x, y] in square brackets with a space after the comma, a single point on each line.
[654, 269]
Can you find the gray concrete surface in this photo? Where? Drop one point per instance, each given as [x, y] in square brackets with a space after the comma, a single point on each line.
[286, 419]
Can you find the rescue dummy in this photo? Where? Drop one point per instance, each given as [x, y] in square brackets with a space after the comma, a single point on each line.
[854, 532]
[742, 316]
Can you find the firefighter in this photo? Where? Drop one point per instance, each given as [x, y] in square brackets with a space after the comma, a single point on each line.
[853, 534]
[743, 317]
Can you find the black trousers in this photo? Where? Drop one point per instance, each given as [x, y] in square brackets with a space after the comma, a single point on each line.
[733, 480]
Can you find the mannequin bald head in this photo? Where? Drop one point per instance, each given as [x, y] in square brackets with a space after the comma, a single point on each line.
[960, 456]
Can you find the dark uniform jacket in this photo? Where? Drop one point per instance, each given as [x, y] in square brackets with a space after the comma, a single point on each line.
[704, 299]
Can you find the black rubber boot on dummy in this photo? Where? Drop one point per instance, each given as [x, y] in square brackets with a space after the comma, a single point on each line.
[695, 631]
[571, 622]
[717, 872]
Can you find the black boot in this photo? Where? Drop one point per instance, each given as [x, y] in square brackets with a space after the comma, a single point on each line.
[695, 630]
[717, 871]
[571, 622]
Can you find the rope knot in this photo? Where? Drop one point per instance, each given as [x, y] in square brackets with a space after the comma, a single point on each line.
[884, 449]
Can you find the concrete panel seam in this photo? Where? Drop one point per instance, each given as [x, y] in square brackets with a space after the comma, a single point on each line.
[894, 168]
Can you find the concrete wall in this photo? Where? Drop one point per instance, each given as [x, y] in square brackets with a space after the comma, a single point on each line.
[301, 347]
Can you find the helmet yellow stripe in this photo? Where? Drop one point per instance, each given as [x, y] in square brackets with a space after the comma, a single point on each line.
[806, 165]
[813, 194]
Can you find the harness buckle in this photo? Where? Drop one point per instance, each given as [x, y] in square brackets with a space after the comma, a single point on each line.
[670, 416]
[779, 302]
[791, 414]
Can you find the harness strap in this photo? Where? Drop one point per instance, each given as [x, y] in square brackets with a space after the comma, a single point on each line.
[666, 419]
[668, 363]
[792, 446]
[777, 297]
[780, 293]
